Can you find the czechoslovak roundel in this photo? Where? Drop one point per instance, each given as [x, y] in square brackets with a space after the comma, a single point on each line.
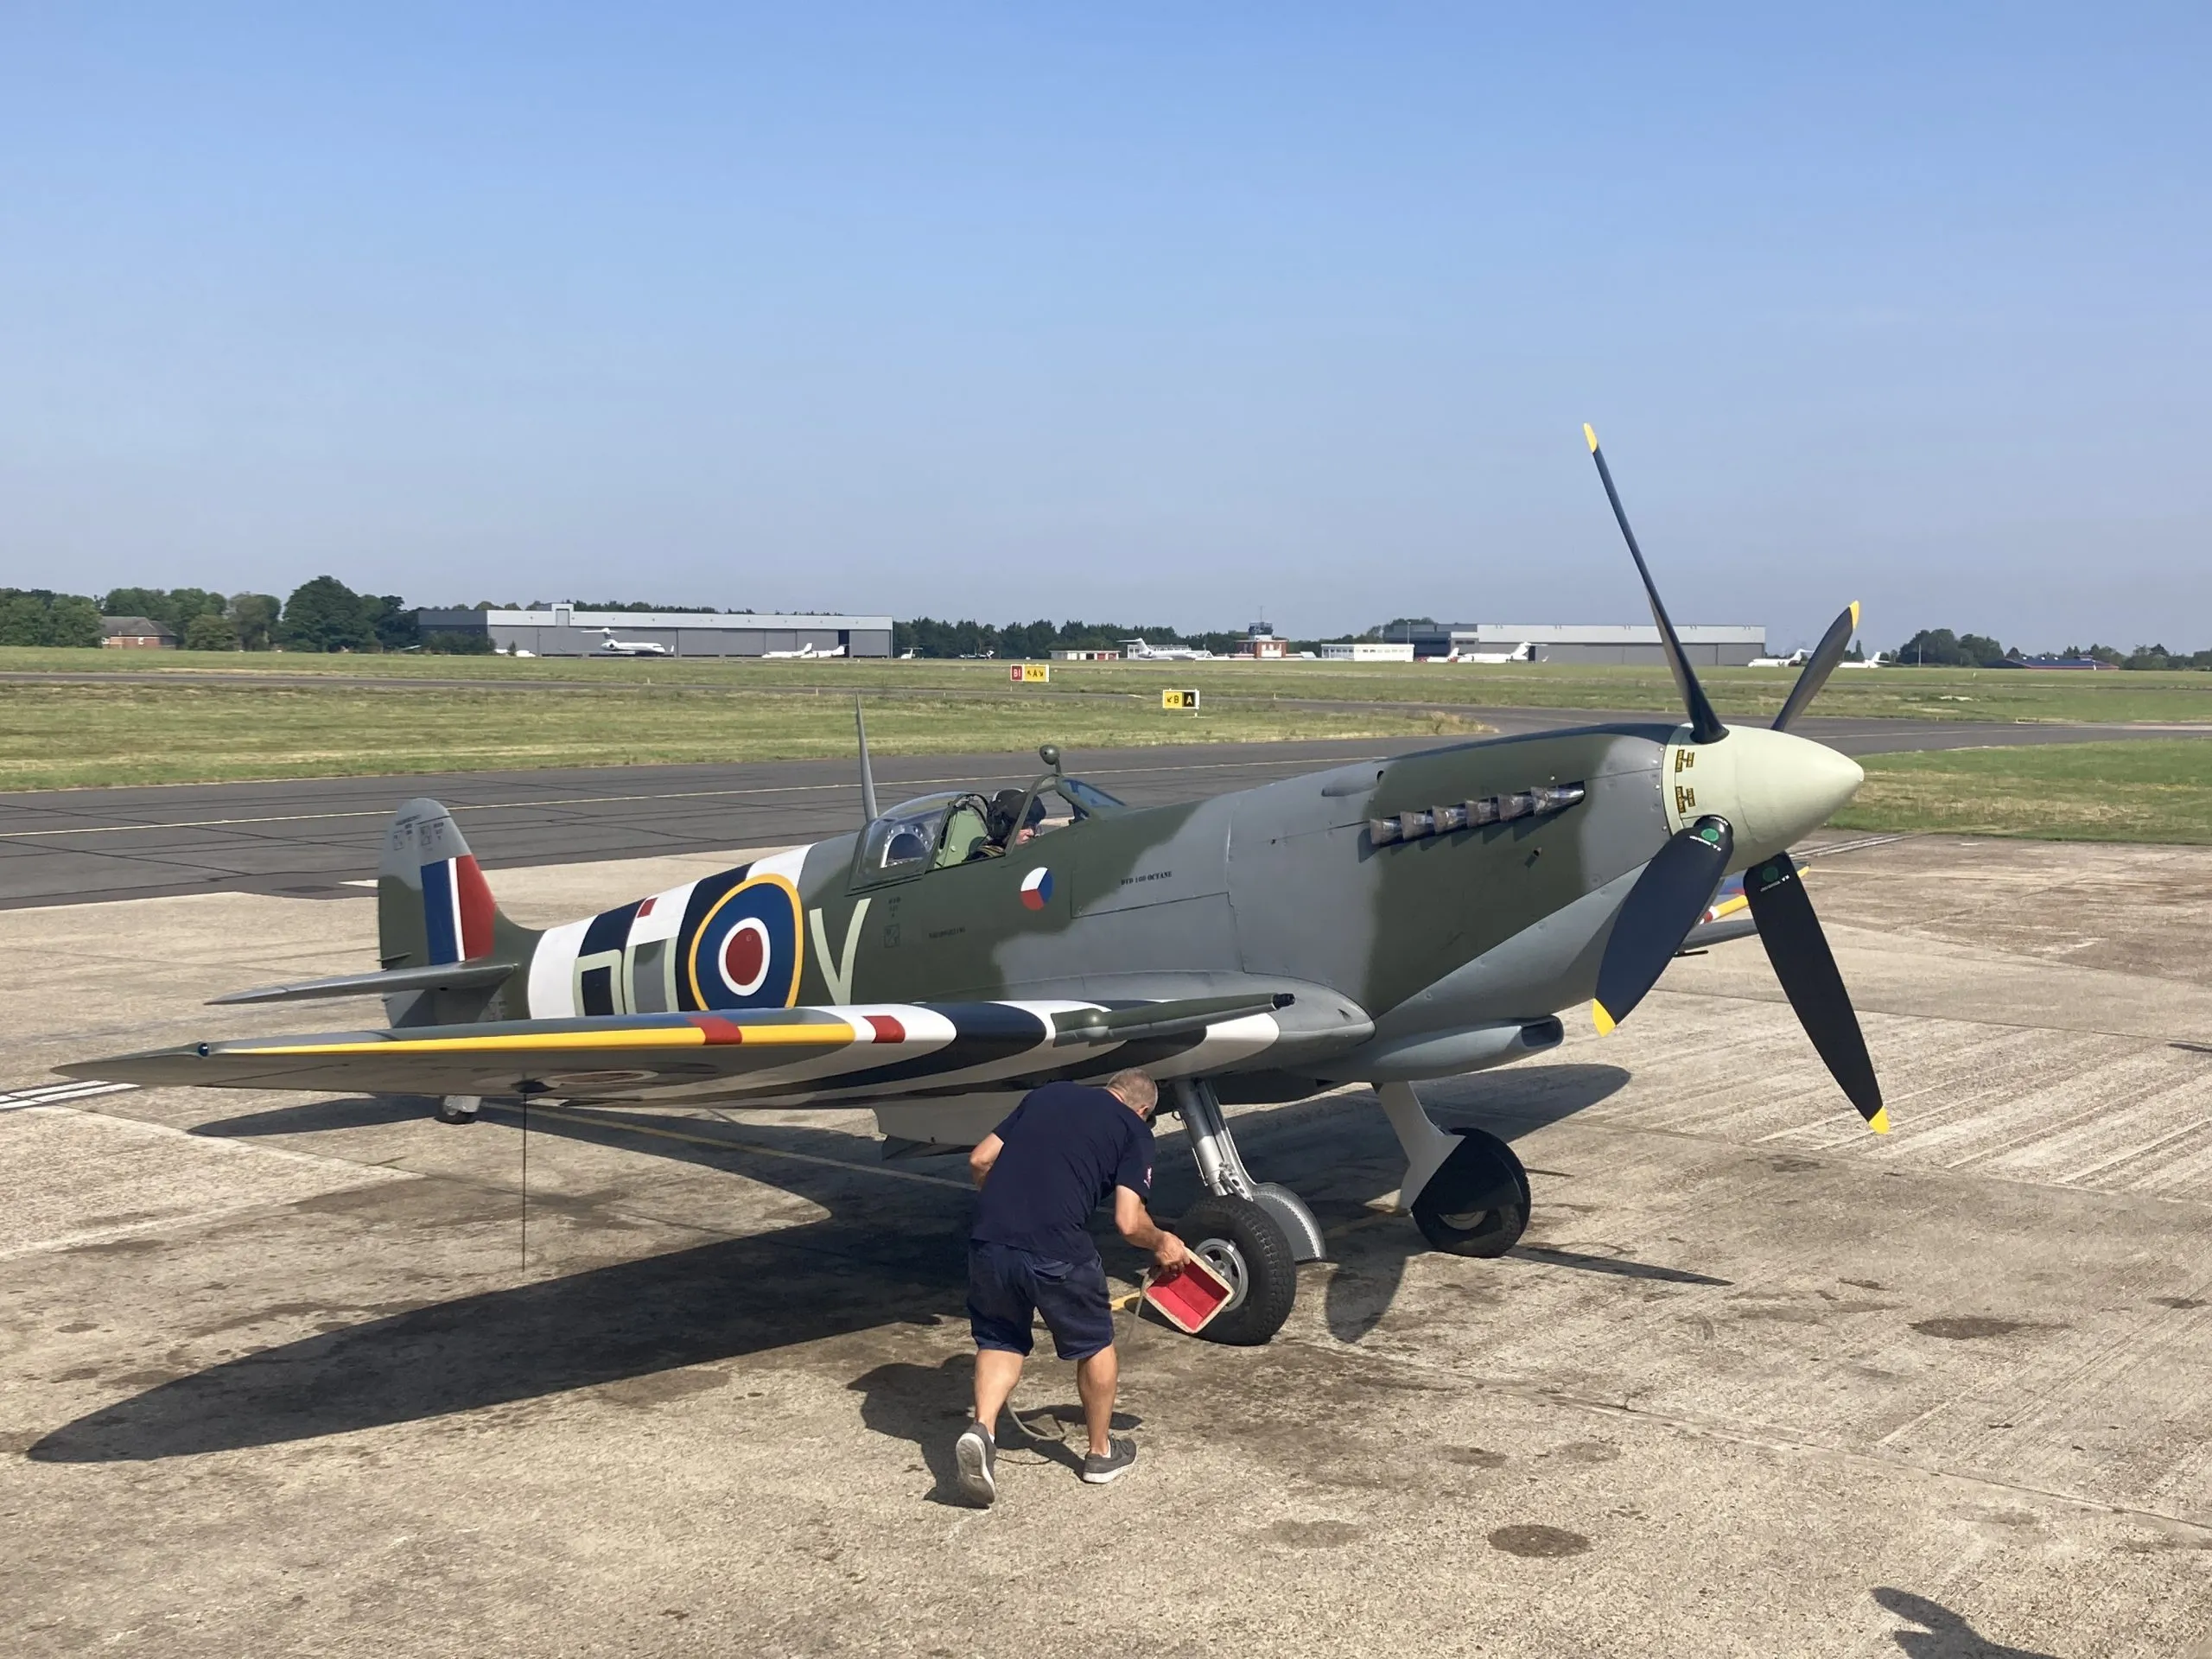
[1037, 889]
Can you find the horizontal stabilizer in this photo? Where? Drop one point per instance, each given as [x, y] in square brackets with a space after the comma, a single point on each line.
[393, 982]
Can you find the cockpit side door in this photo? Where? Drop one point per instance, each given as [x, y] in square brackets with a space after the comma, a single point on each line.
[939, 912]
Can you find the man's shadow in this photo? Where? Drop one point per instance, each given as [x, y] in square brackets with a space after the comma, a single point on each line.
[929, 1405]
[1946, 1636]
[1355, 1147]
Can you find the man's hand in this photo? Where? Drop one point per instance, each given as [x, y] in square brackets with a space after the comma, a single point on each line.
[1136, 1225]
[985, 1155]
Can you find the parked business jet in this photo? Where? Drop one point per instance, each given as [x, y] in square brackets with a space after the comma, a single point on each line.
[614, 647]
[1524, 653]
[1141, 651]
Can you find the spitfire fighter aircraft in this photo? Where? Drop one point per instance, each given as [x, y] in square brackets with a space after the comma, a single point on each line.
[1382, 922]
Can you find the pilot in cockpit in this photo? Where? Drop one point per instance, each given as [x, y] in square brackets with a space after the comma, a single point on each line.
[1006, 808]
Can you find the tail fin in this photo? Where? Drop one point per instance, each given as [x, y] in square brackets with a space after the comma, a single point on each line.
[433, 907]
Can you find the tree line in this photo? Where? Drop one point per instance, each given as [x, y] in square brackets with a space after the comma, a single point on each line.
[323, 614]
[1940, 648]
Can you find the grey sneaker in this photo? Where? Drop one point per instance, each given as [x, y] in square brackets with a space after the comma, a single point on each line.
[977, 1455]
[1121, 1457]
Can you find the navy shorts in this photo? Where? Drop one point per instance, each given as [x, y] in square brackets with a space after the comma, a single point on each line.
[1007, 1287]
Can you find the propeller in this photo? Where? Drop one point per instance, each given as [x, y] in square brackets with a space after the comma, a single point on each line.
[1662, 906]
[1819, 666]
[1705, 725]
[1803, 961]
[1672, 894]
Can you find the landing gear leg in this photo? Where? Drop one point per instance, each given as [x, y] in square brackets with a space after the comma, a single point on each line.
[1467, 1188]
[1252, 1234]
[1224, 1173]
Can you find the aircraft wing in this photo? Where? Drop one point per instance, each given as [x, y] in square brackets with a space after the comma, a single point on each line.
[859, 1052]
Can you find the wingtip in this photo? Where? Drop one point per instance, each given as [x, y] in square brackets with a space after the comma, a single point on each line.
[1590, 436]
[1600, 1018]
[1880, 1121]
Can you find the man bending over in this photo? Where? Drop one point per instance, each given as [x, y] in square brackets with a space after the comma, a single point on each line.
[1042, 1171]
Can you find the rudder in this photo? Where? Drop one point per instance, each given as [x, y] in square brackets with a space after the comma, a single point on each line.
[433, 907]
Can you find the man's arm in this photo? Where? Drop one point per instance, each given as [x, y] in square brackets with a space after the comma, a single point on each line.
[1138, 1226]
[986, 1154]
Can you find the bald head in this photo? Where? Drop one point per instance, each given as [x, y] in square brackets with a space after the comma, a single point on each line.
[1135, 1089]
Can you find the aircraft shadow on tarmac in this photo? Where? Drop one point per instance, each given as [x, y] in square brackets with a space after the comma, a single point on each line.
[1945, 1634]
[889, 1252]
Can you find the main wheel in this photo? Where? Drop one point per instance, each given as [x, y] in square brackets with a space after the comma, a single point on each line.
[1477, 1203]
[1244, 1244]
[458, 1109]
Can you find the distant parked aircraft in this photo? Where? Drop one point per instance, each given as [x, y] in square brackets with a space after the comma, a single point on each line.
[1524, 653]
[1795, 659]
[806, 652]
[1141, 651]
[614, 647]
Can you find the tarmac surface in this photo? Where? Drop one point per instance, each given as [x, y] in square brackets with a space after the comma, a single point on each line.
[308, 837]
[289, 1374]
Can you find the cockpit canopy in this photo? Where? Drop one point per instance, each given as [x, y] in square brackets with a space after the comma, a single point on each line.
[962, 826]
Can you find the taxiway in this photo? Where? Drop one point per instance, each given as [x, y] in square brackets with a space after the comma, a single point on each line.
[284, 1373]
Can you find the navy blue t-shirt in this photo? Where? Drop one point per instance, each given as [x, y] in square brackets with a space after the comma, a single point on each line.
[1067, 1147]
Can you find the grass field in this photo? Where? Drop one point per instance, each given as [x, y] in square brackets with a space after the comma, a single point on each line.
[1924, 694]
[177, 717]
[154, 730]
[2145, 789]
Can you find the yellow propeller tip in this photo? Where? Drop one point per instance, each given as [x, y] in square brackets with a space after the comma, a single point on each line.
[1600, 1018]
[1589, 432]
[1880, 1121]
[1854, 612]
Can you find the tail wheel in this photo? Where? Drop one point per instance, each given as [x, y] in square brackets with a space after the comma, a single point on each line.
[1246, 1246]
[1477, 1203]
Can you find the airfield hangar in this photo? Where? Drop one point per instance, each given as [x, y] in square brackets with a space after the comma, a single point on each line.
[563, 631]
[1707, 645]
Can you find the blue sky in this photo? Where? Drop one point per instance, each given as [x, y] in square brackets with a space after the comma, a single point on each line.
[1145, 312]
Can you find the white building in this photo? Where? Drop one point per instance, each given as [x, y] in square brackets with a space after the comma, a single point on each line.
[1368, 651]
[563, 631]
[1707, 645]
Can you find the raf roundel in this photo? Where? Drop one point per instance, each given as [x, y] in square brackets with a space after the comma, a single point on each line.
[745, 952]
[1037, 889]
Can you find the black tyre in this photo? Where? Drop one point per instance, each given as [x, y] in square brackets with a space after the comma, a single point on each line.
[1477, 1203]
[1244, 1244]
[455, 1109]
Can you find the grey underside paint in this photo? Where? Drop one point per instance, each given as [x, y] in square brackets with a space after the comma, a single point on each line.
[1441, 1054]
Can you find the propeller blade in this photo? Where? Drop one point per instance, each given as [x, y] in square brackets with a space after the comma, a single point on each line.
[1667, 900]
[1806, 967]
[1819, 666]
[1705, 725]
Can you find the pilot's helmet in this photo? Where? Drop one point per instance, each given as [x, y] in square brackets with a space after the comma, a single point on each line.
[1004, 806]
